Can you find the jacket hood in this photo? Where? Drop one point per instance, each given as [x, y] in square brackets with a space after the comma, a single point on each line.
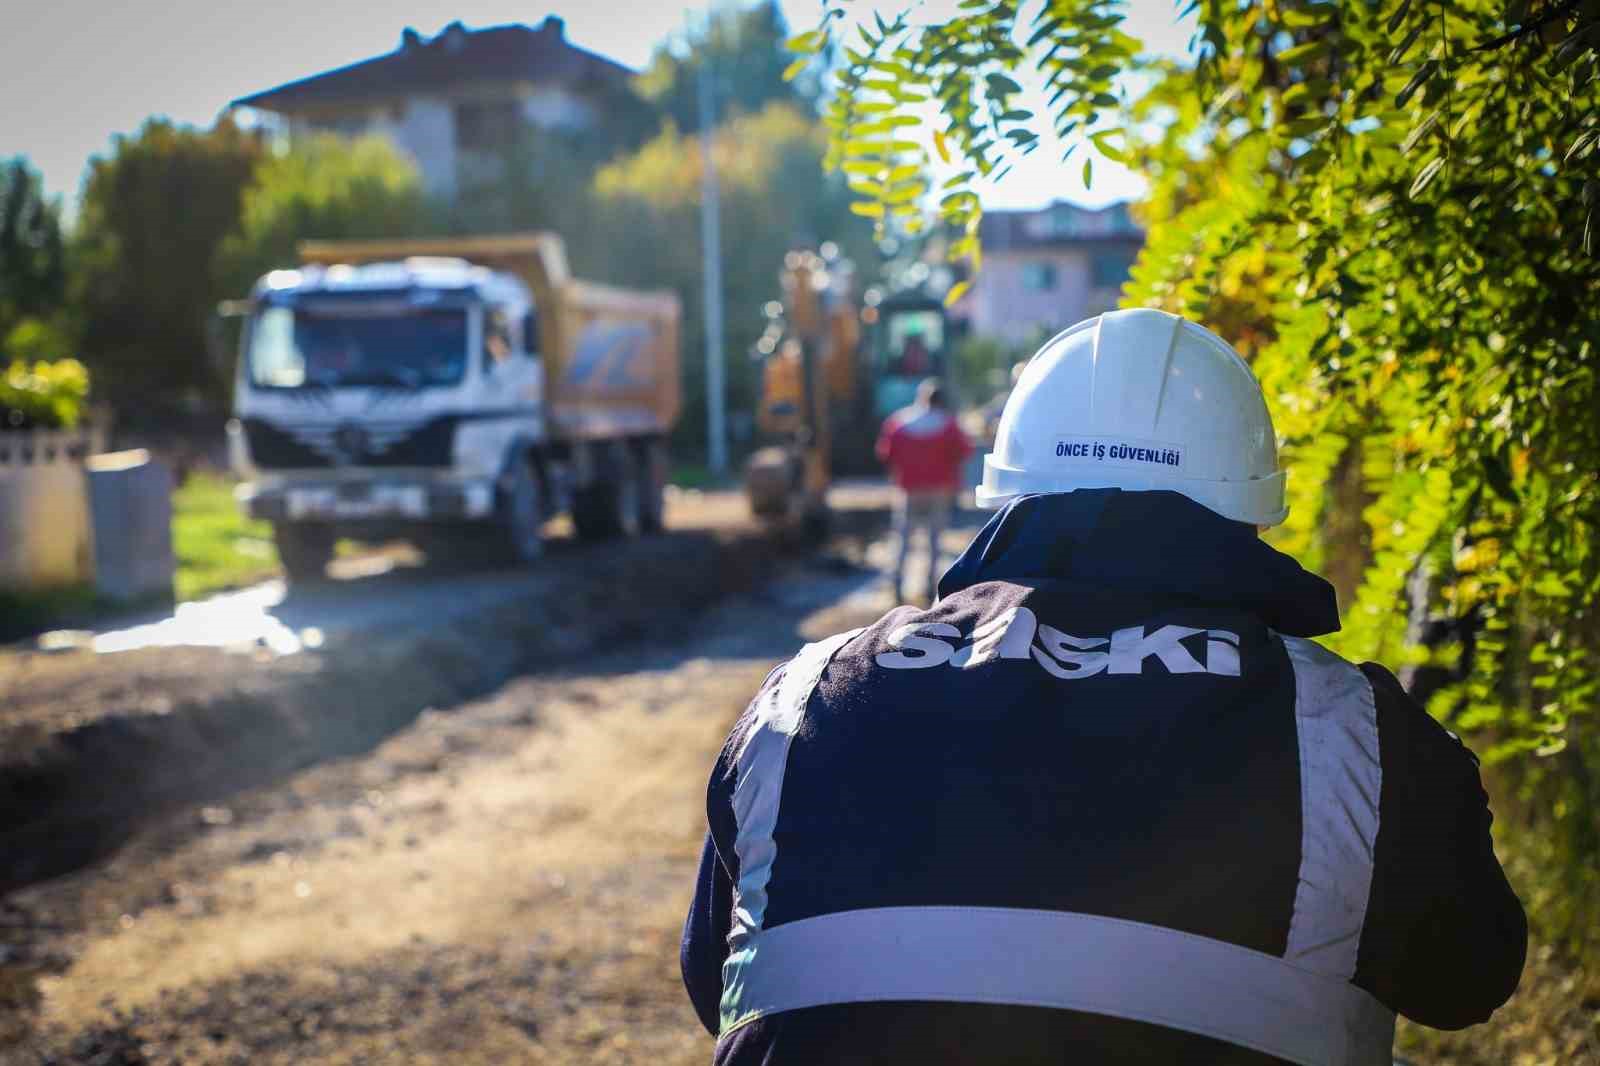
[1152, 540]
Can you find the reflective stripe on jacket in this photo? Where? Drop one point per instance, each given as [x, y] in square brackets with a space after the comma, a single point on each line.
[1102, 803]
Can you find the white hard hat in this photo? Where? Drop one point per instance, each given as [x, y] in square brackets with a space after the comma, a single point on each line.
[1139, 400]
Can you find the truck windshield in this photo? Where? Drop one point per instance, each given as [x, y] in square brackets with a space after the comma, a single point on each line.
[297, 347]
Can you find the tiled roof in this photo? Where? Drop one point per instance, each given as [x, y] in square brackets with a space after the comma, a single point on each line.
[453, 57]
[1059, 225]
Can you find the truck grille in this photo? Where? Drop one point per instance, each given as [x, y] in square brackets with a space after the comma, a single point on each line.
[299, 446]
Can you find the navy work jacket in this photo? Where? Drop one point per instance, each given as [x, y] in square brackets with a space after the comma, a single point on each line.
[1102, 803]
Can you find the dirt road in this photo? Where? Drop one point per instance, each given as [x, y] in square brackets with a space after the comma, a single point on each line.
[504, 874]
[501, 882]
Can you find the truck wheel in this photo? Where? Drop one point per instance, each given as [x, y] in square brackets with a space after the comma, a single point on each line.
[610, 507]
[519, 516]
[652, 486]
[304, 549]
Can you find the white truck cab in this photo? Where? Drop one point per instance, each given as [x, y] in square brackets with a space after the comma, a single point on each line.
[408, 398]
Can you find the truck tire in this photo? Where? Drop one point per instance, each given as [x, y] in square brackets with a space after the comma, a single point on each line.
[610, 506]
[815, 523]
[652, 486]
[519, 516]
[304, 549]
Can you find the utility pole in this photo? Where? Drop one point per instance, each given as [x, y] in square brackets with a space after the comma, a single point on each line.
[711, 242]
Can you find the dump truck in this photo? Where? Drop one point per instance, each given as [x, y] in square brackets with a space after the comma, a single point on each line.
[457, 392]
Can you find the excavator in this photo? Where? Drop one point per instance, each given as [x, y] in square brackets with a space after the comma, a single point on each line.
[809, 356]
[833, 368]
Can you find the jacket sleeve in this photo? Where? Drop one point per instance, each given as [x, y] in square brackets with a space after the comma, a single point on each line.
[885, 446]
[1445, 937]
[705, 937]
[704, 947]
[960, 443]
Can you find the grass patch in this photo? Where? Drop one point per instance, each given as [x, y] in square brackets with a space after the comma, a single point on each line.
[699, 476]
[216, 546]
[690, 476]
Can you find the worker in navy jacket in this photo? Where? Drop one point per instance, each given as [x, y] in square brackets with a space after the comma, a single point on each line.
[1105, 801]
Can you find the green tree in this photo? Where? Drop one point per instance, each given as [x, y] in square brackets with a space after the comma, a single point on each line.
[32, 259]
[774, 197]
[539, 181]
[322, 187]
[745, 49]
[155, 212]
[1413, 150]
[539, 178]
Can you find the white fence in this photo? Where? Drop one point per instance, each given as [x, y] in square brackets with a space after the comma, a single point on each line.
[44, 507]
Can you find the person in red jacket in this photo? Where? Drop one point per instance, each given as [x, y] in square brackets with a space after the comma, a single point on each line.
[924, 449]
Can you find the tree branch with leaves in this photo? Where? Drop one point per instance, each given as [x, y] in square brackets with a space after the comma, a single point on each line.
[903, 87]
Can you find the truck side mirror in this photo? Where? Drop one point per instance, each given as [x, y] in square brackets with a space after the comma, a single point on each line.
[223, 326]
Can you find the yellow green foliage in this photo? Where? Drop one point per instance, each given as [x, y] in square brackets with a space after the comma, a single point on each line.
[47, 395]
[748, 150]
[1412, 255]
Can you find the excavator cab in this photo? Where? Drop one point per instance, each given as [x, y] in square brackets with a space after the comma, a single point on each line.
[911, 343]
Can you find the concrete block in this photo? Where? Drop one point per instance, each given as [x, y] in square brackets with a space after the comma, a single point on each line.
[130, 502]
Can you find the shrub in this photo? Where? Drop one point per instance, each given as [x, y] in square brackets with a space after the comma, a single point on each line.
[43, 395]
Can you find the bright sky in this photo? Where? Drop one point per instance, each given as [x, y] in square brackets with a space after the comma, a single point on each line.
[79, 71]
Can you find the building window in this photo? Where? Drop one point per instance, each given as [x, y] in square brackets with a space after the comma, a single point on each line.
[343, 125]
[1065, 221]
[1110, 269]
[484, 125]
[1040, 277]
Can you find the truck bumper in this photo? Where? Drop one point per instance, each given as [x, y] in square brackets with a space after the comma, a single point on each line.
[358, 501]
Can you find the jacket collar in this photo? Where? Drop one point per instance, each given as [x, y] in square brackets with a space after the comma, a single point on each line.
[1154, 540]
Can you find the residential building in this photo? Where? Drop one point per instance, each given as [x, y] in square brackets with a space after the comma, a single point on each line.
[455, 100]
[1044, 270]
